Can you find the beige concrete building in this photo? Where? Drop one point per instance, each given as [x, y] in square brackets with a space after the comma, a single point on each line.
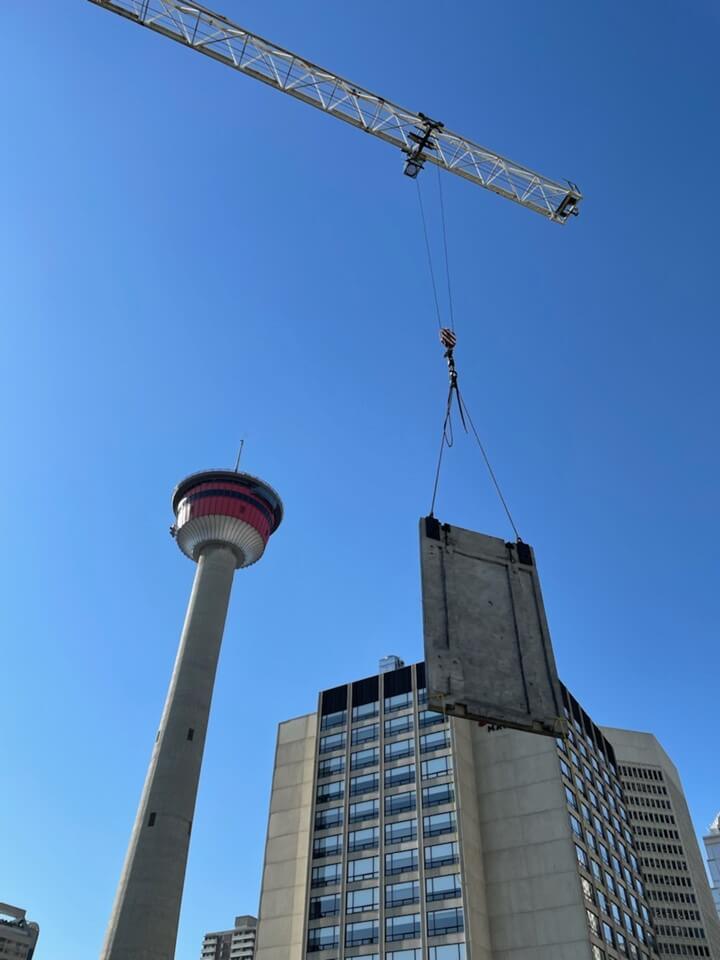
[235, 944]
[677, 887]
[397, 834]
[18, 935]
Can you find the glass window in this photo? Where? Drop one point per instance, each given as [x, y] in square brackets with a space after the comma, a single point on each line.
[621, 943]
[604, 856]
[364, 758]
[428, 718]
[570, 797]
[326, 792]
[445, 887]
[327, 846]
[437, 767]
[363, 839]
[401, 862]
[585, 811]
[397, 894]
[331, 817]
[597, 953]
[439, 854]
[421, 696]
[365, 711]
[398, 725]
[400, 831]
[438, 823]
[440, 793]
[333, 719]
[399, 702]
[445, 921]
[581, 856]
[593, 923]
[433, 741]
[400, 803]
[595, 869]
[565, 768]
[363, 931]
[621, 893]
[576, 828]
[333, 741]
[591, 841]
[397, 749]
[607, 932]
[364, 734]
[602, 901]
[615, 911]
[363, 810]
[396, 776]
[447, 951]
[326, 906]
[366, 868]
[405, 927]
[610, 882]
[366, 783]
[326, 768]
[587, 889]
[358, 901]
[322, 938]
[627, 920]
[326, 875]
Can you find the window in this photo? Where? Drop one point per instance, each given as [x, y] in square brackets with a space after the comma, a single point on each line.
[327, 846]
[400, 831]
[440, 793]
[597, 953]
[575, 825]
[364, 758]
[607, 932]
[398, 894]
[445, 921]
[398, 749]
[437, 767]
[364, 931]
[327, 875]
[448, 951]
[604, 854]
[587, 889]
[400, 803]
[366, 783]
[327, 906]
[428, 718]
[593, 923]
[615, 911]
[445, 887]
[570, 797]
[397, 776]
[364, 734]
[363, 810]
[358, 901]
[334, 741]
[595, 869]
[602, 901]
[433, 741]
[333, 719]
[322, 938]
[399, 702]
[401, 862]
[365, 868]
[581, 856]
[326, 792]
[440, 854]
[404, 955]
[326, 768]
[438, 823]
[627, 920]
[610, 882]
[621, 943]
[402, 928]
[332, 817]
[365, 710]
[363, 839]
[565, 768]
[398, 725]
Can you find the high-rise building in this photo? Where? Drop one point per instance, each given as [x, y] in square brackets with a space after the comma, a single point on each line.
[235, 944]
[397, 833]
[18, 935]
[223, 521]
[712, 847]
[677, 888]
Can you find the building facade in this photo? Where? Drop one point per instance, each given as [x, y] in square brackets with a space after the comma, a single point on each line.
[680, 898]
[235, 944]
[18, 935]
[398, 834]
[712, 848]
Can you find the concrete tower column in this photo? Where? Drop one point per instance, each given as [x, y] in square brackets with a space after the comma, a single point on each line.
[223, 521]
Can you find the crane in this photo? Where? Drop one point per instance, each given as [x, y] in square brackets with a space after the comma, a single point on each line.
[418, 137]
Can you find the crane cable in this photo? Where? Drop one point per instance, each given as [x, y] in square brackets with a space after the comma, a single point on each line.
[448, 339]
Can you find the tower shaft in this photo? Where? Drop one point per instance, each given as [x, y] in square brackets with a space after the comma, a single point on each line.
[144, 921]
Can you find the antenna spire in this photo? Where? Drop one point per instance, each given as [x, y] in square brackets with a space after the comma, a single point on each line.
[237, 461]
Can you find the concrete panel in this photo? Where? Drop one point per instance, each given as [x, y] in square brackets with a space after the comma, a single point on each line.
[488, 654]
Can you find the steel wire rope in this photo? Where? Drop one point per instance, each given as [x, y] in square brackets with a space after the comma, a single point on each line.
[429, 255]
[445, 248]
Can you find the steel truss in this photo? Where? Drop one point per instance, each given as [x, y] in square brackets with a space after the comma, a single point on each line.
[420, 138]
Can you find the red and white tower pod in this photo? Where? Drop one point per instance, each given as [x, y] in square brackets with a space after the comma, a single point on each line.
[223, 521]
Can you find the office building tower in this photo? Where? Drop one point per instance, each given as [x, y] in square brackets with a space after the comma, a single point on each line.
[677, 888]
[18, 935]
[712, 847]
[235, 944]
[398, 834]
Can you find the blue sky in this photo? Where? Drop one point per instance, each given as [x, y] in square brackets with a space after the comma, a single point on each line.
[188, 257]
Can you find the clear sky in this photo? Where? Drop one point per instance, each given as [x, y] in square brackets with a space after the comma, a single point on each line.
[188, 257]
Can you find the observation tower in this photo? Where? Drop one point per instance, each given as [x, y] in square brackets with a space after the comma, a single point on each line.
[223, 521]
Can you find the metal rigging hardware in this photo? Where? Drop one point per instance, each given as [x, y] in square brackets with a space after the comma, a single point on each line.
[420, 138]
